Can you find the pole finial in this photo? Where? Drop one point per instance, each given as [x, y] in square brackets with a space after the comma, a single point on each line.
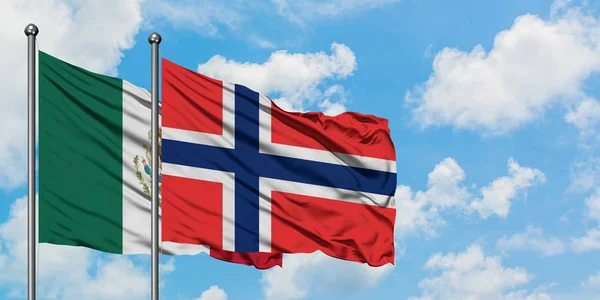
[154, 38]
[31, 29]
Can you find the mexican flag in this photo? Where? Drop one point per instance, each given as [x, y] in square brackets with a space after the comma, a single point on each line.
[94, 165]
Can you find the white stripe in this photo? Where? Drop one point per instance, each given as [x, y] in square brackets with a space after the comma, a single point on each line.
[136, 205]
[196, 137]
[229, 217]
[328, 157]
[335, 194]
[269, 185]
[225, 140]
[268, 147]
[171, 248]
[264, 221]
[229, 113]
[227, 180]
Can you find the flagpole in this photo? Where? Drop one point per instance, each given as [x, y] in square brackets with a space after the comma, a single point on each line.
[154, 39]
[31, 32]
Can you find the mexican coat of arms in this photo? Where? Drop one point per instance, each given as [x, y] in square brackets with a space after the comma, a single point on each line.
[144, 176]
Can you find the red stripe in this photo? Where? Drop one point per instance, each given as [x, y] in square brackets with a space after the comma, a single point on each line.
[195, 101]
[350, 133]
[343, 230]
[192, 211]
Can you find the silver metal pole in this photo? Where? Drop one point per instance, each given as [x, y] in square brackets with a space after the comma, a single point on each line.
[154, 39]
[31, 32]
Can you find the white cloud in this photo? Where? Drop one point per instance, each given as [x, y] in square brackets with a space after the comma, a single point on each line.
[472, 275]
[593, 282]
[286, 105]
[585, 117]
[165, 268]
[261, 42]
[118, 278]
[334, 102]
[168, 267]
[420, 211]
[415, 214]
[592, 204]
[427, 53]
[332, 109]
[585, 175]
[533, 65]
[443, 185]
[559, 6]
[296, 77]
[496, 196]
[215, 18]
[66, 272]
[589, 242]
[213, 293]
[331, 104]
[524, 295]
[69, 30]
[532, 239]
[317, 272]
[201, 16]
[301, 11]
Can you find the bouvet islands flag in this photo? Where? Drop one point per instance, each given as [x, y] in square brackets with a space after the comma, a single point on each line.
[240, 174]
[94, 166]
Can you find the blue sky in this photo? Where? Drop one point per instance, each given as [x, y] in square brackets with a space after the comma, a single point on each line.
[493, 108]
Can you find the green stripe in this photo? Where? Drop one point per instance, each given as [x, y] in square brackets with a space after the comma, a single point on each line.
[80, 157]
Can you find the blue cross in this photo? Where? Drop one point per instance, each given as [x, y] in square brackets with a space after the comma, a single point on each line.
[249, 164]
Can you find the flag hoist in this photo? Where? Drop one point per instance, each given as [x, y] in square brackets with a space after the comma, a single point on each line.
[154, 39]
[31, 31]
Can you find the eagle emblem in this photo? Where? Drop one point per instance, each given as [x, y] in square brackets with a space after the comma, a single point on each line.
[144, 176]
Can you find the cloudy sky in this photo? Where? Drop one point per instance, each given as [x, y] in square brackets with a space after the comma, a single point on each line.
[494, 108]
